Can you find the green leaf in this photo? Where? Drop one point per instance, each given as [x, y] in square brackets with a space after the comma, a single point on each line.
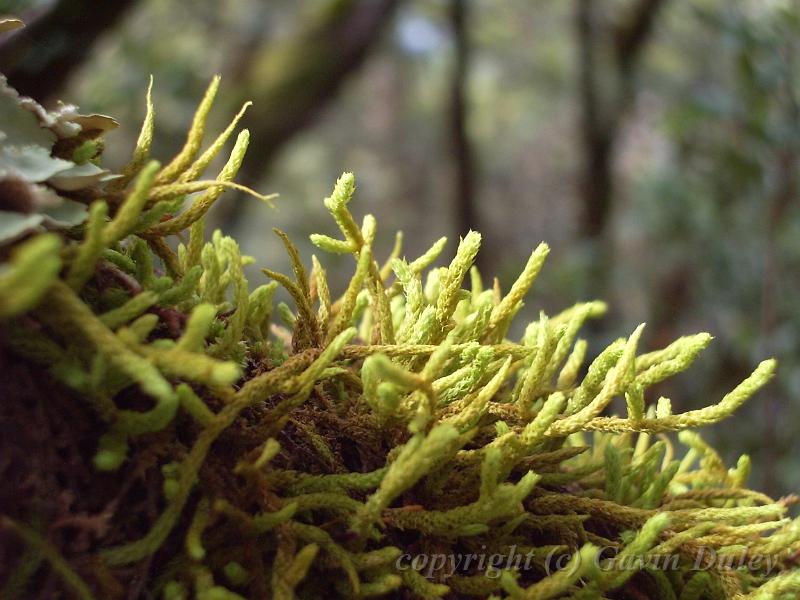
[10, 23]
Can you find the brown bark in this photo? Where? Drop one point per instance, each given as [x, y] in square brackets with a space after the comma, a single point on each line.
[292, 82]
[631, 36]
[596, 138]
[466, 216]
[601, 114]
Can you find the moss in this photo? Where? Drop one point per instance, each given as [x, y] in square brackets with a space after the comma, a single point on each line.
[165, 433]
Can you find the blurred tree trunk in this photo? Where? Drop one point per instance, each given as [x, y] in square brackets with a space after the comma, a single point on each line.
[608, 60]
[773, 312]
[39, 58]
[292, 81]
[596, 132]
[466, 216]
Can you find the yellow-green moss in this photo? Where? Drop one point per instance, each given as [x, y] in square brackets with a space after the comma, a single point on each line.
[307, 459]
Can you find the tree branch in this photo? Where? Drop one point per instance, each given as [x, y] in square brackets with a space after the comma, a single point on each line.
[293, 81]
[39, 58]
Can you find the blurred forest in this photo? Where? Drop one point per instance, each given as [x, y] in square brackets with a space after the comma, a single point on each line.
[653, 144]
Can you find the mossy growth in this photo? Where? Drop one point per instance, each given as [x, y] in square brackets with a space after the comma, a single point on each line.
[169, 433]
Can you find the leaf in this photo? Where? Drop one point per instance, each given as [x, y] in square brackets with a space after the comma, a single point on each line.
[18, 125]
[10, 23]
[95, 122]
[77, 177]
[64, 122]
[18, 195]
[68, 213]
[26, 206]
[31, 163]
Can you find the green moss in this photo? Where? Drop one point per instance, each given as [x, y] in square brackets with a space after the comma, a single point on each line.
[365, 440]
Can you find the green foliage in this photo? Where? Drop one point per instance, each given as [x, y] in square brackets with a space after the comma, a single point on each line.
[726, 192]
[307, 457]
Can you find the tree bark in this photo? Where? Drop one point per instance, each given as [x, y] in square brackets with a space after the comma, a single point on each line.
[466, 216]
[596, 134]
[602, 114]
[39, 58]
[608, 60]
[292, 81]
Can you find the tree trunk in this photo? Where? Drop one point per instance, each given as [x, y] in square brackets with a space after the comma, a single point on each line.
[466, 216]
[291, 82]
[603, 109]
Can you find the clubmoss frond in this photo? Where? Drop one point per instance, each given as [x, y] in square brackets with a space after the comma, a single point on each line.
[127, 215]
[33, 540]
[200, 165]
[451, 284]
[556, 584]
[201, 205]
[395, 422]
[32, 269]
[141, 152]
[413, 461]
[503, 311]
[193, 139]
